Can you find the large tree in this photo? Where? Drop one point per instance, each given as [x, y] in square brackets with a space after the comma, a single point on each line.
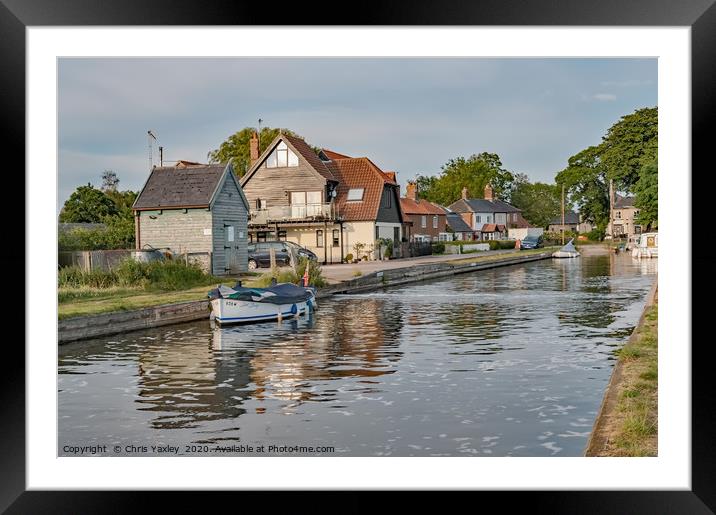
[647, 196]
[585, 181]
[236, 150]
[628, 145]
[539, 202]
[87, 204]
[473, 173]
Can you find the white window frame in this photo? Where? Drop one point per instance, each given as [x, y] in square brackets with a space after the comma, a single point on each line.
[355, 191]
[423, 221]
[435, 221]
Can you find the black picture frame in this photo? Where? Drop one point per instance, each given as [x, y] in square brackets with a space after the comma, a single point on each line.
[700, 15]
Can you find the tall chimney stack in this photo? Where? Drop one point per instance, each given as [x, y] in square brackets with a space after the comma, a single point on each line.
[464, 193]
[411, 190]
[489, 194]
[253, 148]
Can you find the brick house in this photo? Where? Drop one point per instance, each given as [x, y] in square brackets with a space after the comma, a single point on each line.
[326, 201]
[195, 210]
[489, 217]
[428, 219]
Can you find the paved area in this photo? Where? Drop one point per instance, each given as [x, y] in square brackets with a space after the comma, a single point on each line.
[342, 272]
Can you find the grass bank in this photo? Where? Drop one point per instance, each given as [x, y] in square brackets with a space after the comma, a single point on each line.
[131, 285]
[627, 423]
[503, 255]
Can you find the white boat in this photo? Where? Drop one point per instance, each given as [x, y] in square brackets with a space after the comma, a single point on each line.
[647, 246]
[241, 305]
[568, 251]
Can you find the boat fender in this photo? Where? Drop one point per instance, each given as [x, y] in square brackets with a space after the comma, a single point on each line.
[294, 309]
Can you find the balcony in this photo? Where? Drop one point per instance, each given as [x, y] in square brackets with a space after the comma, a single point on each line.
[294, 213]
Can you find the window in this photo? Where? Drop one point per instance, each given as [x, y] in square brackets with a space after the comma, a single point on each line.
[281, 236]
[489, 219]
[386, 198]
[336, 238]
[479, 219]
[319, 238]
[261, 236]
[260, 203]
[396, 235]
[514, 217]
[281, 157]
[377, 232]
[355, 194]
[618, 214]
[435, 222]
[423, 221]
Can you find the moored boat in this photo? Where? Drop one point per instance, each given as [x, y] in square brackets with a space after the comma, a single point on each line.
[647, 246]
[568, 251]
[241, 305]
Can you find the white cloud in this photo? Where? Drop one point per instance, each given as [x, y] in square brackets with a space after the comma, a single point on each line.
[604, 97]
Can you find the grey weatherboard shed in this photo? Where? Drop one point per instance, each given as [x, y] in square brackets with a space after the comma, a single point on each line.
[199, 210]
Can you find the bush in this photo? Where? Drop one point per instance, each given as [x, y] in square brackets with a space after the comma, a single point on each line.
[438, 248]
[119, 234]
[164, 275]
[596, 234]
[349, 257]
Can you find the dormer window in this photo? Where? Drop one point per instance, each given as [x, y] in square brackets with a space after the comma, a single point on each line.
[355, 194]
[282, 157]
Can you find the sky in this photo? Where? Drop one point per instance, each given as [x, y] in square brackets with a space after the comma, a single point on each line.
[409, 115]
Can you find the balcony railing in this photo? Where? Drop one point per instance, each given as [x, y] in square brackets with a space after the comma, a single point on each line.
[293, 213]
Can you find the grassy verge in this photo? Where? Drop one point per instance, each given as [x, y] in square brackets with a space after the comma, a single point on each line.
[505, 255]
[81, 301]
[631, 427]
[636, 433]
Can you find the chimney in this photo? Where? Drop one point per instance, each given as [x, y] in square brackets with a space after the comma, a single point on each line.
[464, 193]
[488, 192]
[411, 191]
[253, 148]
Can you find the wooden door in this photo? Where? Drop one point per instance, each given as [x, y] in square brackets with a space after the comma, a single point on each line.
[231, 246]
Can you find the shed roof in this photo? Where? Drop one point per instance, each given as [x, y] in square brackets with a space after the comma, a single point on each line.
[182, 187]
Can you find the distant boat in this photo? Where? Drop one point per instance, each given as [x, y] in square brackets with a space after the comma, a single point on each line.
[240, 305]
[568, 251]
[647, 245]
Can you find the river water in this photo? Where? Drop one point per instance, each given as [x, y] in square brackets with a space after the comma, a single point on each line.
[511, 361]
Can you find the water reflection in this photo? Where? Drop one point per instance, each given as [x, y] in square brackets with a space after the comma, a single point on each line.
[509, 361]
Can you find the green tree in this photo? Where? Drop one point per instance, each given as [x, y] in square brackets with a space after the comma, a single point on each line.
[87, 204]
[585, 182]
[539, 202]
[236, 150]
[628, 145]
[647, 196]
[109, 181]
[473, 173]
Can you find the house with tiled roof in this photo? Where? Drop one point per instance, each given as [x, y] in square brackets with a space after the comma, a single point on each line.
[489, 216]
[428, 220]
[196, 210]
[327, 201]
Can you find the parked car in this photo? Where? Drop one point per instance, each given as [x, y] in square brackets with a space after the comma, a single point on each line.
[532, 242]
[259, 253]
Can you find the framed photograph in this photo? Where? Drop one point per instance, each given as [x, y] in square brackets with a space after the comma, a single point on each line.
[417, 252]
